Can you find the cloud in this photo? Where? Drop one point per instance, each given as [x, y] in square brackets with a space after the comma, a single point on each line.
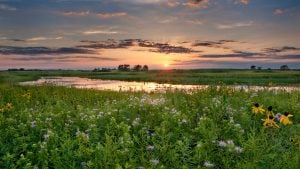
[195, 3]
[151, 46]
[216, 44]
[235, 25]
[4, 7]
[195, 22]
[61, 58]
[173, 3]
[168, 20]
[281, 49]
[296, 56]
[13, 50]
[108, 44]
[73, 13]
[245, 2]
[236, 54]
[279, 12]
[92, 32]
[41, 38]
[165, 47]
[109, 15]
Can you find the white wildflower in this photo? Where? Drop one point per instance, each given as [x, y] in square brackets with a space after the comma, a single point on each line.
[183, 121]
[208, 164]
[222, 144]
[33, 124]
[150, 147]
[238, 149]
[154, 161]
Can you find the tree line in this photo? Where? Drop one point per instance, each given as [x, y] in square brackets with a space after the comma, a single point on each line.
[283, 67]
[126, 67]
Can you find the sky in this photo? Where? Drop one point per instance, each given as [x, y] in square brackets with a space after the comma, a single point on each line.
[163, 34]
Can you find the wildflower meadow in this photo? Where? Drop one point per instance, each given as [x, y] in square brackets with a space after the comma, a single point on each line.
[58, 127]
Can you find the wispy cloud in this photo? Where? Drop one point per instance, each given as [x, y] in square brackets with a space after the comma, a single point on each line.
[92, 32]
[109, 15]
[236, 54]
[168, 20]
[149, 45]
[215, 44]
[279, 12]
[42, 38]
[108, 44]
[235, 25]
[74, 13]
[245, 2]
[195, 22]
[13, 50]
[165, 47]
[62, 58]
[4, 7]
[281, 49]
[39, 38]
[195, 3]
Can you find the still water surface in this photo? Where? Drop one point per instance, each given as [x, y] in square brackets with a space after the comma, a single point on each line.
[116, 85]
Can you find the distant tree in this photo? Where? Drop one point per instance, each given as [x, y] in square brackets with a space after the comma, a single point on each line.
[145, 68]
[259, 68]
[124, 67]
[253, 67]
[96, 70]
[137, 68]
[284, 67]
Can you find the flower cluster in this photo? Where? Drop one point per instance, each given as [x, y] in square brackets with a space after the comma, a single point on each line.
[7, 107]
[26, 96]
[229, 144]
[269, 121]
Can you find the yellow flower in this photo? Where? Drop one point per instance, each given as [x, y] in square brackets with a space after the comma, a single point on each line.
[270, 112]
[257, 109]
[27, 96]
[269, 122]
[284, 119]
[9, 106]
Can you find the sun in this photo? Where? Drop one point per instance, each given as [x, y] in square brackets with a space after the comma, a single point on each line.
[166, 65]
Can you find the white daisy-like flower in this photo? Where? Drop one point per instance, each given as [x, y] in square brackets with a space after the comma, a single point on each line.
[150, 147]
[222, 144]
[154, 161]
[238, 149]
[208, 164]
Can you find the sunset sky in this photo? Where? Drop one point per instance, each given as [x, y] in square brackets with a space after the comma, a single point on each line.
[180, 34]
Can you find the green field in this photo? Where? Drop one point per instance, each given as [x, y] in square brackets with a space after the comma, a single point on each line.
[59, 127]
[217, 76]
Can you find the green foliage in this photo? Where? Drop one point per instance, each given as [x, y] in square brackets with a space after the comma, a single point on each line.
[58, 127]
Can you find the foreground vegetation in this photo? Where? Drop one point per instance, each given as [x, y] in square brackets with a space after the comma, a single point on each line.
[57, 127]
[249, 77]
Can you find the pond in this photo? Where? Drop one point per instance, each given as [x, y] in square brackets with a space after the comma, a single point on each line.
[116, 85]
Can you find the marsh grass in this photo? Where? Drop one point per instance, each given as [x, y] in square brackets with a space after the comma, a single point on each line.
[204, 77]
[58, 127]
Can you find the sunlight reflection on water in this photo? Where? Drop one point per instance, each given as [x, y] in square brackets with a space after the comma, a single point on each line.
[116, 85]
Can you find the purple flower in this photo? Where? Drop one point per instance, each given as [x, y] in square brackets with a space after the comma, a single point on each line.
[33, 124]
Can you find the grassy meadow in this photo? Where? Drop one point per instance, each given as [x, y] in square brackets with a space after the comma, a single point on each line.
[59, 127]
[205, 76]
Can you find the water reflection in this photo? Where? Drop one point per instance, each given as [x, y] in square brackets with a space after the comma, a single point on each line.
[116, 85]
